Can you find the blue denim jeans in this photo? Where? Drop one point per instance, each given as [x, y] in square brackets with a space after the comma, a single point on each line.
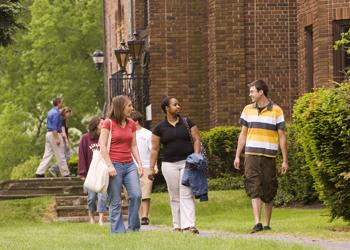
[128, 176]
[101, 201]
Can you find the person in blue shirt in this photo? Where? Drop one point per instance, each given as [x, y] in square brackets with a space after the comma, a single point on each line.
[54, 143]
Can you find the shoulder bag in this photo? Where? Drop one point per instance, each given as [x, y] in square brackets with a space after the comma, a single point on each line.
[97, 178]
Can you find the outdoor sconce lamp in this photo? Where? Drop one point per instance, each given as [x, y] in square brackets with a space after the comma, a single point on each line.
[98, 58]
[136, 47]
[122, 55]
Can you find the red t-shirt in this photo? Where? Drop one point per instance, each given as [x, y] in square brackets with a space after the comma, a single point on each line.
[120, 150]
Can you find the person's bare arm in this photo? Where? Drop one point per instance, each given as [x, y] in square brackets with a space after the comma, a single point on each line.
[196, 139]
[240, 145]
[135, 153]
[283, 145]
[103, 142]
[154, 151]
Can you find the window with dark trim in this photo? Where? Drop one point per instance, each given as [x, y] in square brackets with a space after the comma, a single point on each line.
[145, 11]
[341, 58]
[309, 58]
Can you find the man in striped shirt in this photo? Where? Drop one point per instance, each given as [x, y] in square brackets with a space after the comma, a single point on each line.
[262, 131]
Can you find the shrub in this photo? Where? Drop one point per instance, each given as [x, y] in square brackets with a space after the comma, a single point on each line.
[226, 182]
[221, 143]
[26, 169]
[73, 164]
[322, 120]
[297, 184]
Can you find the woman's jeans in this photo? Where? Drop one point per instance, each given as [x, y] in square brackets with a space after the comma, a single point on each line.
[101, 201]
[128, 176]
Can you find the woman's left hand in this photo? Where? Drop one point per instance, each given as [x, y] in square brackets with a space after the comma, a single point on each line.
[140, 170]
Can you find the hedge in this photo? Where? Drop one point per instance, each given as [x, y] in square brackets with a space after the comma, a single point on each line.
[297, 185]
[322, 121]
[221, 143]
[26, 169]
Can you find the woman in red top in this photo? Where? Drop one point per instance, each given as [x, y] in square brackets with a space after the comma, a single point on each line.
[122, 169]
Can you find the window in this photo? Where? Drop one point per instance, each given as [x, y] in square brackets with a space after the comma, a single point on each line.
[145, 11]
[309, 58]
[341, 58]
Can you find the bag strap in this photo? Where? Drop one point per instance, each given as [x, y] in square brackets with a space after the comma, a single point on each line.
[188, 128]
[109, 136]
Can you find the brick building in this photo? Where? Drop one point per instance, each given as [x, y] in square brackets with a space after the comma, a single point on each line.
[205, 52]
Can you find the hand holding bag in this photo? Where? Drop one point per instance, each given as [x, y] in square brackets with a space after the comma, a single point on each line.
[97, 178]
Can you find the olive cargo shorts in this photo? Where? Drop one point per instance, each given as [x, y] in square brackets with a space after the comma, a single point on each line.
[260, 177]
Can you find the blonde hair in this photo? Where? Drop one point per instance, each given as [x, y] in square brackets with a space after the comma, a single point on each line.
[65, 110]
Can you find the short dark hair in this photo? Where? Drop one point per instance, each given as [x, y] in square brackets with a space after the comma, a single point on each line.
[56, 101]
[165, 103]
[137, 117]
[260, 85]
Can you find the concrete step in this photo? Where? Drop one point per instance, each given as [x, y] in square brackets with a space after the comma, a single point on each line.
[47, 190]
[74, 200]
[23, 196]
[41, 181]
[79, 210]
[85, 219]
[24, 185]
[71, 200]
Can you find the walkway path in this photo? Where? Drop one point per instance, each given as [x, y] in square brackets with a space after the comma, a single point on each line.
[324, 244]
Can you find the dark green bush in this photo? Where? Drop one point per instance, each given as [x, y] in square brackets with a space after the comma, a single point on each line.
[226, 182]
[221, 143]
[297, 184]
[322, 120]
[26, 169]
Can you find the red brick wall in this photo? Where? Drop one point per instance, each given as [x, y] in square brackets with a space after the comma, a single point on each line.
[226, 62]
[116, 29]
[205, 52]
[320, 14]
[177, 38]
[271, 48]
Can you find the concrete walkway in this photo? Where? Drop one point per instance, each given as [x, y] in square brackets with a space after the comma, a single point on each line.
[324, 244]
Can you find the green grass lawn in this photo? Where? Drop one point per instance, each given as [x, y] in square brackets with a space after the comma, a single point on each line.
[230, 211]
[26, 224]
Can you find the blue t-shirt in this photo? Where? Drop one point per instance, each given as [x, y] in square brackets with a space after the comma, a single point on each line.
[54, 120]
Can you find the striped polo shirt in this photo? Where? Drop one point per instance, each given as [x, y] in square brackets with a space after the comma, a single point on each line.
[262, 135]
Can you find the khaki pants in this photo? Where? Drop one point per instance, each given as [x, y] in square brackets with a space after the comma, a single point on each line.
[51, 149]
[181, 198]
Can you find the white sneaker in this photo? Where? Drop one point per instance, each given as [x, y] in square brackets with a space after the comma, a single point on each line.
[100, 222]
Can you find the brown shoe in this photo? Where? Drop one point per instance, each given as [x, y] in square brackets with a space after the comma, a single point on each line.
[193, 230]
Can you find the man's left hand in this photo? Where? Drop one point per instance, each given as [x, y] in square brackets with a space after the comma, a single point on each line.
[284, 167]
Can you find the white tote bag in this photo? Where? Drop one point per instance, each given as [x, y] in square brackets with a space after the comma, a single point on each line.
[97, 178]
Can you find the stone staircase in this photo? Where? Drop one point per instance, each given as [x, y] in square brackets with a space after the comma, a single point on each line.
[71, 201]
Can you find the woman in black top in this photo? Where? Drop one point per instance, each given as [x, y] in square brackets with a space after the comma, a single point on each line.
[174, 135]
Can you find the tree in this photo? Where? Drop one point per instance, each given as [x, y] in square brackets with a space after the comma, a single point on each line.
[48, 59]
[9, 12]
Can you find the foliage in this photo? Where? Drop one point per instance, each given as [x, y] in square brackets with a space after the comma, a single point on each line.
[16, 141]
[50, 58]
[344, 44]
[9, 12]
[297, 184]
[322, 120]
[220, 143]
[226, 182]
[26, 169]
[73, 164]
